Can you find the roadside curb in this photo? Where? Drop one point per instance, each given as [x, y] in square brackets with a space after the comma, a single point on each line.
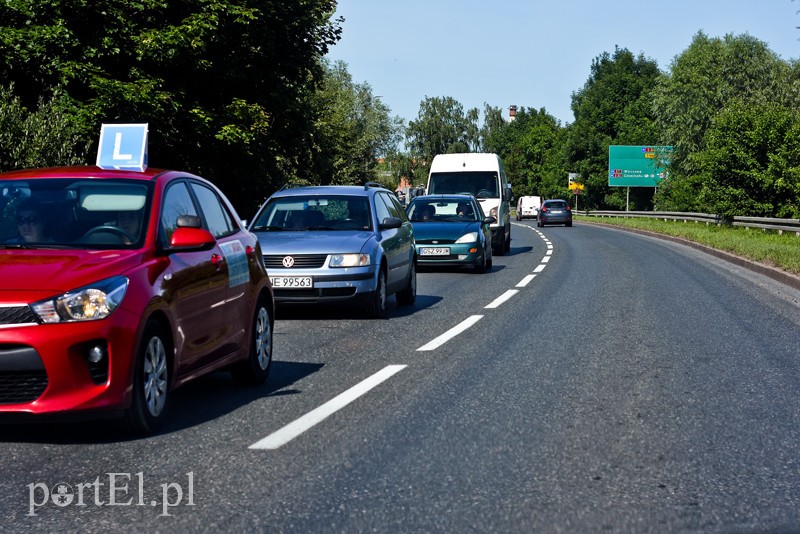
[778, 275]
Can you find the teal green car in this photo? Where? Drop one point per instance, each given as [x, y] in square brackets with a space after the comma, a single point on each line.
[451, 230]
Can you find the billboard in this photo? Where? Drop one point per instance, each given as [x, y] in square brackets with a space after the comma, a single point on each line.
[637, 166]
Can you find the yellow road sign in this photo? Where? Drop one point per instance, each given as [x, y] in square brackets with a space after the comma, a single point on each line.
[573, 186]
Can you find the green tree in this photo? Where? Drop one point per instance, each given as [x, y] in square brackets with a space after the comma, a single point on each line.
[750, 163]
[612, 108]
[441, 128]
[493, 123]
[531, 147]
[225, 85]
[473, 132]
[703, 80]
[403, 165]
[41, 137]
[353, 129]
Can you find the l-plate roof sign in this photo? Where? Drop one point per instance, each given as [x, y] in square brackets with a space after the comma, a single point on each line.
[123, 147]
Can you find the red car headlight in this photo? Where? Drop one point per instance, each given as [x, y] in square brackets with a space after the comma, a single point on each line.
[89, 303]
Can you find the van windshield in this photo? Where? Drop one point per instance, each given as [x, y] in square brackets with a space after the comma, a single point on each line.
[479, 184]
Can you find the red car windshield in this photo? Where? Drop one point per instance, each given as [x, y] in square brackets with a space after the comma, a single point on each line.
[73, 213]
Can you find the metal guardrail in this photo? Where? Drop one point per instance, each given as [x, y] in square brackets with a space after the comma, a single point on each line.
[763, 223]
[768, 223]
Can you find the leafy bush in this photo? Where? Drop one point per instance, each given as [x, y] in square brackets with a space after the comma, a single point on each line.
[751, 162]
[46, 136]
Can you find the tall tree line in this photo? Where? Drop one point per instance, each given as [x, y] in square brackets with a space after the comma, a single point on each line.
[241, 92]
[729, 106]
[227, 87]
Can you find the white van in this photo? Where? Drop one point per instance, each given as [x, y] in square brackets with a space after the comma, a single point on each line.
[483, 176]
[528, 207]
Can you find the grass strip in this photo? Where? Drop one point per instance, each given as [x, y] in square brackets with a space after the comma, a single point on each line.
[764, 246]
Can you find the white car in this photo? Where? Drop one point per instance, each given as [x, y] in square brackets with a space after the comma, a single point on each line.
[528, 207]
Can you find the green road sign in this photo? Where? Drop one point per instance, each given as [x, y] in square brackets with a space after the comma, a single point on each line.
[637, 166]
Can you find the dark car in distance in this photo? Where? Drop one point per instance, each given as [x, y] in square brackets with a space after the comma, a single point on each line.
[554, 211]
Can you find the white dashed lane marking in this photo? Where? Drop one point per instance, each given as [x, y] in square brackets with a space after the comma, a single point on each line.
[298, 426]
[502, 298]
[283, 435]
[450, 334]
[465, 325]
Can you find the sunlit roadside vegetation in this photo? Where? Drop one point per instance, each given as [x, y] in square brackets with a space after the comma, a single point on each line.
[764, 246]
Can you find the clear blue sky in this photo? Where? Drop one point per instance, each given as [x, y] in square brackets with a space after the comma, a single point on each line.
[532, 53]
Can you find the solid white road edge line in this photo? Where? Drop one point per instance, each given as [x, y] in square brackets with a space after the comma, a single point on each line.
[450, 334]
[501, 299]
[298, 426]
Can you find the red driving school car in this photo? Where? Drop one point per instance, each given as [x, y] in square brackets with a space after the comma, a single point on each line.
[118, 285]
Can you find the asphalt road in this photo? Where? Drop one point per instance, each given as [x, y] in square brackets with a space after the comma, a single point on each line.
[593, 380]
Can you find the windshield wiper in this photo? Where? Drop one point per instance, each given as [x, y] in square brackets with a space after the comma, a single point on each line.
[34, 246]
[268, 229]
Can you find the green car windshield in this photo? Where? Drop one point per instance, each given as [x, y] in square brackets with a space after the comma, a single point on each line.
[444, 210]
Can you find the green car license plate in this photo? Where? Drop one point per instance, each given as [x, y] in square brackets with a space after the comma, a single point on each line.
[434, 251]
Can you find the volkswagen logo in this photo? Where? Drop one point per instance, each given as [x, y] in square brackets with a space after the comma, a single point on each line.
[288, 262]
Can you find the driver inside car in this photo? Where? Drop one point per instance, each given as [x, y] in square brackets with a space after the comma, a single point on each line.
[31, 222]
[131, 222]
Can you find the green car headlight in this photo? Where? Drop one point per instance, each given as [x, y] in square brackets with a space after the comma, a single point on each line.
[468, 238]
